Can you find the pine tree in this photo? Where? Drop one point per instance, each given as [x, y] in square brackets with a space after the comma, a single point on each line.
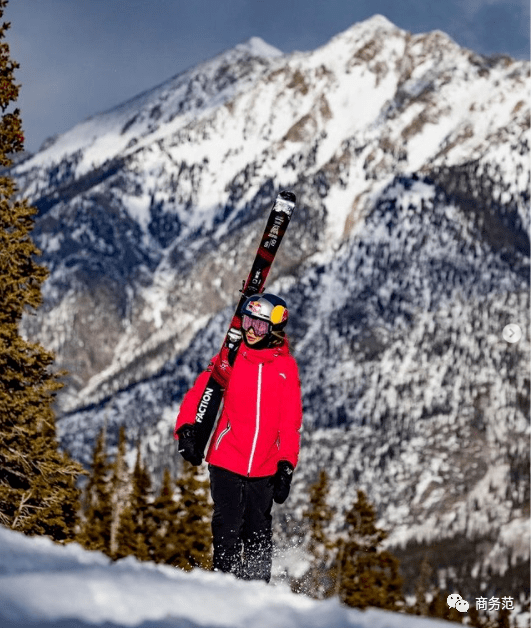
[136, 525]
[38, 492]
[96, 528]
[367, 575]
[504, 618]
[164, 512]
[319, 581]
[438, 607]
[192, 531]
[120, 491]
[422, 587]
[475, 620]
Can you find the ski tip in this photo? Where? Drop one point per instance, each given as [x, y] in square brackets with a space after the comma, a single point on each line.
[286, 195]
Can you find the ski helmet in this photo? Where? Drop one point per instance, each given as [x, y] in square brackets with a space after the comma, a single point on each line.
[269, 312]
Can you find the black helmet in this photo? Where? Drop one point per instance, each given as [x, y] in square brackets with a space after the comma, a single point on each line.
[269, 312]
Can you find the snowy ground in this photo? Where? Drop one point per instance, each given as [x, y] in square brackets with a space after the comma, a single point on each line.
[46, 585]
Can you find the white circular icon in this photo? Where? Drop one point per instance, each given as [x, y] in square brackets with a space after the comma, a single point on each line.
[512, 333]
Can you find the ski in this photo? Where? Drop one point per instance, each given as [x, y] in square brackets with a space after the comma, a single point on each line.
[212, 396]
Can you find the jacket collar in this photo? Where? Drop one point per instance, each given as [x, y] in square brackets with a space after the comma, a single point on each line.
[260, 356]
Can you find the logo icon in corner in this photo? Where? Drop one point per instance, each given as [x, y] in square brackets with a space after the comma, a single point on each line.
[456, 601]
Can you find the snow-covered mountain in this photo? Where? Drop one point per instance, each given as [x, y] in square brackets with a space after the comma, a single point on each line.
[407, 256]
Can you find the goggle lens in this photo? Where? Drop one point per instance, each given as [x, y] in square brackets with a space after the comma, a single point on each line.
[261, 328]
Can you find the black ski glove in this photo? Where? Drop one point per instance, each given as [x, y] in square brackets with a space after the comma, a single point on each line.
[282, 481]
[188, 444]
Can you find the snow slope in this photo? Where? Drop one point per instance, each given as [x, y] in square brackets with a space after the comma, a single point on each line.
[44, 585]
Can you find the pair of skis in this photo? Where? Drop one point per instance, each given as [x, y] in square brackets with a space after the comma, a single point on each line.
[212, 396]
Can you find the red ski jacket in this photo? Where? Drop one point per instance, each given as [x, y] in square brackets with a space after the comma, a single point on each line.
[262, 412]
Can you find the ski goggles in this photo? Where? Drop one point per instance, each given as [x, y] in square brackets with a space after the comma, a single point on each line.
[261, 328]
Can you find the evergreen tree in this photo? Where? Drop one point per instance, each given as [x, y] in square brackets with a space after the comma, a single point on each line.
[121, 518]
[38, 492]
[136, 525]
[319, 581]
[192, 533]
[475, 620]
[504, 618]
[422, 586]
[438, 607]
[120, 490]
[367, 575]
[96, 528]
[165, 512]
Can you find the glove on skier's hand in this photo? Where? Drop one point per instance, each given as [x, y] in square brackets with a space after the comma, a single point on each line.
[282, 481]
[188, 444]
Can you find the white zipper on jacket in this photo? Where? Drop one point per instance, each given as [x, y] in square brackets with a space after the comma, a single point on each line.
[257, 424]
[220, 437]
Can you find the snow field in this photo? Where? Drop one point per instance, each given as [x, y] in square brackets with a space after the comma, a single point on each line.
[43, 584]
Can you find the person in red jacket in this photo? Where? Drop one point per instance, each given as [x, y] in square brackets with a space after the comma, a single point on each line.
[255, 446]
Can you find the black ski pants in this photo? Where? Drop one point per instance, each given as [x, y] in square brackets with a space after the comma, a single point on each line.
[241, 524]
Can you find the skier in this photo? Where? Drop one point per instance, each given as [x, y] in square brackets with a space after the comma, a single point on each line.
[255, 446]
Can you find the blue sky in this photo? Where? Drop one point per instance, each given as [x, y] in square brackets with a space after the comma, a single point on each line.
[80, 57]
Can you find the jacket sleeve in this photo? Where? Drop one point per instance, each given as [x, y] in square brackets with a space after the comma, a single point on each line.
[290, 429]
[190, 401]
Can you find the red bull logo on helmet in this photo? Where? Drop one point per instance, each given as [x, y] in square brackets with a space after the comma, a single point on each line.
[279, 315]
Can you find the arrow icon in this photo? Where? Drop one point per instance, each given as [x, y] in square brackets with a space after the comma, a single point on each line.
[512, 333]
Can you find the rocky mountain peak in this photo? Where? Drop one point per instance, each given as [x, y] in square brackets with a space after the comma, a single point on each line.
[257, 47]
